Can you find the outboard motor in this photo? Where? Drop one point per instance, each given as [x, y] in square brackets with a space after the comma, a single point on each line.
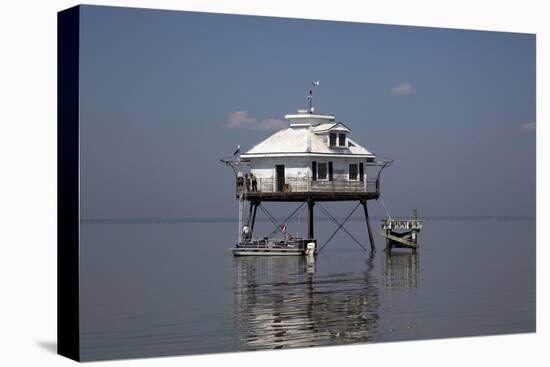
[310, 248]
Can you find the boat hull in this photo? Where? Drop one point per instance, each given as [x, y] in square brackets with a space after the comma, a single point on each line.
[265, 247]
[265, 252]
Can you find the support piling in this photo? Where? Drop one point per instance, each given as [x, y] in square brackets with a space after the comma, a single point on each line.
[310, 205]
[369, 229]
[250, 207]
[255, 204]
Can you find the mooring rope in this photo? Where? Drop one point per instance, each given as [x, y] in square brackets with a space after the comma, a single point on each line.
[339, 227]
[384, 205]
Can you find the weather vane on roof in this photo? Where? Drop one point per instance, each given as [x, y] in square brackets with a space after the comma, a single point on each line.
[309, 97]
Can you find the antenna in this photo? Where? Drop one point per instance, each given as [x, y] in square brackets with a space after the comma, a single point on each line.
[309, 97]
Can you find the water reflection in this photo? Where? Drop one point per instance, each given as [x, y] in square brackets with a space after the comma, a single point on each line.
[283, 302]
[401, 270]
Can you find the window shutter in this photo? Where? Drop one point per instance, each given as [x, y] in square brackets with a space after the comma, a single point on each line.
[330, 171]
[361, 172]
[313, 171]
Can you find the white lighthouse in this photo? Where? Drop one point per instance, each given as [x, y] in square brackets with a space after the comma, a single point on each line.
[314, 159]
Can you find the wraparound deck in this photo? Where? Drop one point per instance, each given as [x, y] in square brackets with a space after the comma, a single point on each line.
[303, 189]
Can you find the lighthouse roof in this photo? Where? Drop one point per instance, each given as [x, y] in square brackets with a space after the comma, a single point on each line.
[305, 141]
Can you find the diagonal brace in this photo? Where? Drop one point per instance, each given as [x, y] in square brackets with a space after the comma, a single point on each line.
[287, 218]
[274, 221]
[340, 226]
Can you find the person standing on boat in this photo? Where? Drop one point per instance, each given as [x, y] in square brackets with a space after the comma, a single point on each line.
[254, 182]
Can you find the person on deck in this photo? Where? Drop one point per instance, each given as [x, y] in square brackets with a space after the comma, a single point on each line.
[247, 182]
[254, 182]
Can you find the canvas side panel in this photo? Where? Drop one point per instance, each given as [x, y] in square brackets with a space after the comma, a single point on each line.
[68, 22]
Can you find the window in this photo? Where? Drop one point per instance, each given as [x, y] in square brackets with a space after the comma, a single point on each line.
[341, 140]
[332, 139]
[322, 171]
[353, 172]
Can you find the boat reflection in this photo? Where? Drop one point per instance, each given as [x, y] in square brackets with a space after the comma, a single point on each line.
[281, 302]
[401, 270]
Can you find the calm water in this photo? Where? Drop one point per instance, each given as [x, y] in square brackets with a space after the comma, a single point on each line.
[153, 289]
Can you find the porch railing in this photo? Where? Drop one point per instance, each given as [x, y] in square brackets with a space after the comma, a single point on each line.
[306, 184]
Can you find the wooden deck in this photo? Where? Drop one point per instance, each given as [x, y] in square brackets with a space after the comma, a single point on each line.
[402, 233]
[305, 196]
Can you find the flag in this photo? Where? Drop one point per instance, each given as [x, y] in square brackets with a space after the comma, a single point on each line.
[282, 226]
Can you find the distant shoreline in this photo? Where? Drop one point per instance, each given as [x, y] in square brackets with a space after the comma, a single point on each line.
[145, 220]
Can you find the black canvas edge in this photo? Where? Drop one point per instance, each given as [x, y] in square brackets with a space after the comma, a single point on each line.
[68, 218]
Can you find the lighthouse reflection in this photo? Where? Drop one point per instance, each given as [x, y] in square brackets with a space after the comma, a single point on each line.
[283, 302]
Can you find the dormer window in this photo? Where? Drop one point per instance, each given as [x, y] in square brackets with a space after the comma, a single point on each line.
[341, 140]
[337, 140]
[332, 139]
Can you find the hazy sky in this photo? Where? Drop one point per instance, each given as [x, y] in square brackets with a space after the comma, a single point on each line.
[165, 94]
